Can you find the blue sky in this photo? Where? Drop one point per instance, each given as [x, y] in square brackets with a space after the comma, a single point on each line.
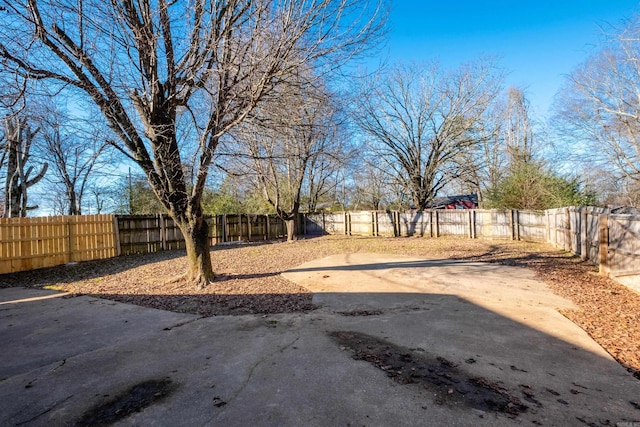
[539, 41]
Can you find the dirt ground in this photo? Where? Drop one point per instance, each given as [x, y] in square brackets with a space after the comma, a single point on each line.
[249, 280]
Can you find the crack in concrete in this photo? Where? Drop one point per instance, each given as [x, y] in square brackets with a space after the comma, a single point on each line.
[36, 379]
[248, 379]
[60, 365]
[186, 322]
[364, 312]
[47, 410]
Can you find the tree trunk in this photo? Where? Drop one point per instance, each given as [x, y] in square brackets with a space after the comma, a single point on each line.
[291, 229]
[72, 202]
[196, 236]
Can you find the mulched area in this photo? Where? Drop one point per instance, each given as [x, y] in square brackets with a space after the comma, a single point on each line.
[249, 280]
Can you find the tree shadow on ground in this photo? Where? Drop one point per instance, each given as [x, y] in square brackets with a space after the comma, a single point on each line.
[221, 304]
[85, 270]
[88, 270]
[556, 258]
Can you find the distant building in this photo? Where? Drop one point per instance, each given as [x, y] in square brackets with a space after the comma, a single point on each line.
[466, 201]
[627, 210]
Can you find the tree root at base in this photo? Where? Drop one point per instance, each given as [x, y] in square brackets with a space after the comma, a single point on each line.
[177, 279]
[199, 281]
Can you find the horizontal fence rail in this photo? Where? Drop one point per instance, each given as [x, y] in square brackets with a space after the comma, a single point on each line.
[609, 240]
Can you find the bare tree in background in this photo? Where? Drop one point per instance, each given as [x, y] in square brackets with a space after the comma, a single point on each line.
[517, 127]
[422, 118]
[16, 152]
[324, 168]
[287, 145]
[509, 142]
[160, 69]
[370, 188]
[75, 156]
[599, 109]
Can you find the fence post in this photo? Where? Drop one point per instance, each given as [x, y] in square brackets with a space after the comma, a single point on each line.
[547, 229]
[304, 223]
[567, 230]
[584, 249]
[603, 233]
[214, 230]
[344, 219]
[472, 225]
[116, 235]
[373, 223]
[224, 227]
[430, 223]
[163, 232]
[437, 223]
[266, 218]
[511, 223]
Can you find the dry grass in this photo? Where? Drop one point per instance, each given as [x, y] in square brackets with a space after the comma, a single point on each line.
[249, 280]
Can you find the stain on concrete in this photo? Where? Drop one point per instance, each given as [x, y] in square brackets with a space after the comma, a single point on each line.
[451, 385]
[133, 400]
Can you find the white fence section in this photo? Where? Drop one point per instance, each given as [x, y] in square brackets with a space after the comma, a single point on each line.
[531, 225]
[493, 224]
[609, 240]
[490, 224]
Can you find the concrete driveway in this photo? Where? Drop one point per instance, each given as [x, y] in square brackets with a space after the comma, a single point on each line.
[396, 341]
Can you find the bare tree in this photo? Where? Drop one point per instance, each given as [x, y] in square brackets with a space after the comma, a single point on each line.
[517, 128]
[324, 168]
[371, 182]
[19, 137]
[287, 146]
[75, 158]
[509, 142]
[152, 67]
[599, 110]
[421, 118]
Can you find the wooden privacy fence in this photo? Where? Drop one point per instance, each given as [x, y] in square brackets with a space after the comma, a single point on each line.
[30, 243]
[623, 251]
[152, 233]
[609, 240]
